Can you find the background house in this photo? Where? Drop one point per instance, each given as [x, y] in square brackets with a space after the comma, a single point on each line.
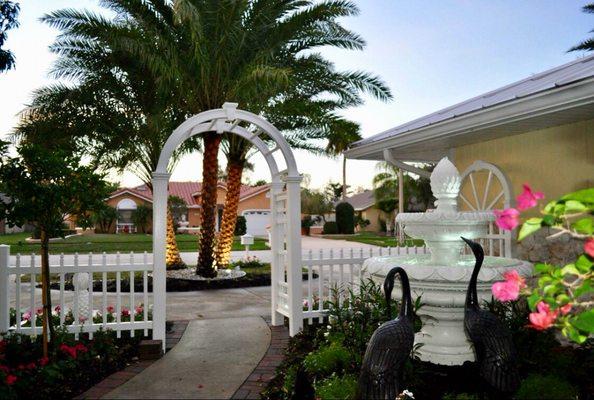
[254, 205]
[364, 205]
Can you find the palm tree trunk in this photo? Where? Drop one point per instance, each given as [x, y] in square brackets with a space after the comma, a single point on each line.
[234, 172]
[344, 187]
[206, 262]
[172, 257]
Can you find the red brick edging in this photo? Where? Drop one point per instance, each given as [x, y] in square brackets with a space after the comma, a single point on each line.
[265, 370]
[119, 378]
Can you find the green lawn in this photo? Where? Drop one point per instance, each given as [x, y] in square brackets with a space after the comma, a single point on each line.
[109, 243]
[374, 239]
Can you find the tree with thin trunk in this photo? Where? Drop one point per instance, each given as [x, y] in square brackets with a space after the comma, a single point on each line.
[588, 44]
[338, 142]
[43, 186]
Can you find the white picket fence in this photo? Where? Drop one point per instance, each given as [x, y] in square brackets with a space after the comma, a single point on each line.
[339, 270]
[79, 307]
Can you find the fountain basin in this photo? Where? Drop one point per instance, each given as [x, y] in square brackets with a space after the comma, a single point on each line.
[443, 290]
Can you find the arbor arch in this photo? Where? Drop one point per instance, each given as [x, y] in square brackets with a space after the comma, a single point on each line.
[285, 206]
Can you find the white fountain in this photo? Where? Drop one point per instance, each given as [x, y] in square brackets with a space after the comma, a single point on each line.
[441, 278]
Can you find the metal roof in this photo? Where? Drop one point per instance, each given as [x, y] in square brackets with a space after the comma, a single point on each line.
[554, 78]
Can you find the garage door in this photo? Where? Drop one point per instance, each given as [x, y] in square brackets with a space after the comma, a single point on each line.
[257, 221]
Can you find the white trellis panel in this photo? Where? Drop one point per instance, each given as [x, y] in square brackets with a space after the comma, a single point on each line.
[485, 187]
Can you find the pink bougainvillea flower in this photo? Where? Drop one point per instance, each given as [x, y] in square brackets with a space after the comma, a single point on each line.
[507, 219]
[565, 309]
[543, 318]
[528, 199]
[138, 310]
[513, 276]
[506, 291]
[125, 312]
[11, 380]
[80, 348]
[589, 247]
[58, 309]
[2, 346]
[43, 361]
[27, 316]
[4, 369]
[110, 309]
[70, 351]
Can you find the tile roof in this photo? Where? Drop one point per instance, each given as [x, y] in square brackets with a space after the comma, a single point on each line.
[559, 76]
[187, 191]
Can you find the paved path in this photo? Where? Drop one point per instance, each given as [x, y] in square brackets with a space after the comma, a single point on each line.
[211, 361]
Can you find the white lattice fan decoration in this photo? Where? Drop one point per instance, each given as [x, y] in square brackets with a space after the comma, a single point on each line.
[486, 187]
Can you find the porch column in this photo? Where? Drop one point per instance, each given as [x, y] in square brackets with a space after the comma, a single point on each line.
[159, 181]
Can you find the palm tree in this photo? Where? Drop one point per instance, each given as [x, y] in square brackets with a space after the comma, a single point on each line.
[588, 44]
[202, 53]
[114, 113]
[338, 142]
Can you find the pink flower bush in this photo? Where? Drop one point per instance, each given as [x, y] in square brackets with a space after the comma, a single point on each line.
[509, 289]
[543, 318]
[507, 219]
[528, 199]
[589, 247]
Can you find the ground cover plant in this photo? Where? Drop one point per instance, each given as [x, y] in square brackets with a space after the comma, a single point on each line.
[376, 239]
[110, 243]
[324, 360]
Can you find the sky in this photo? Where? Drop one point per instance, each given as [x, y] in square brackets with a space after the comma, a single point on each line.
[431, 54]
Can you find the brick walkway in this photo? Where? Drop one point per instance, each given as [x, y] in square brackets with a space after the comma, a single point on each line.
[264, 371]
[118, 378]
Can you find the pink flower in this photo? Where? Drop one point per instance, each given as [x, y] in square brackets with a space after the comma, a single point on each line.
[125, 312]
[70, 351]
[110, 309]
[82, 319]
[509, 289]
[305, 303]
[505, 291]
[10, 380]
[589, 247]
[39, 311]
[528, 199]
[27, 316]
[507, 219]
[58, 309]
[513, 276]
[43, 361]
[565, 309]
[138, 310]
[543, 318]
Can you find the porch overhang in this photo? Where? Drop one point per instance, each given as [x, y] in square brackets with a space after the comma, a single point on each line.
[431, 142]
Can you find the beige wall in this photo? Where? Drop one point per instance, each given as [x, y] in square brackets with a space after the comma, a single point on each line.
[554, 160]
[113, 202]
[373, 215]
[257, 202]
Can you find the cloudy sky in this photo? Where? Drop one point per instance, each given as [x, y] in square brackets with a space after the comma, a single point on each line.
[431, 54]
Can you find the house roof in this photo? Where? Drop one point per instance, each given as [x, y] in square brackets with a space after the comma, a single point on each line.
[187, 191]
[361, 201]
[557, 96]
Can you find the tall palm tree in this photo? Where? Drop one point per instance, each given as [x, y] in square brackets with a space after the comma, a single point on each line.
[338, 142]
[112, 113]
[206, 52]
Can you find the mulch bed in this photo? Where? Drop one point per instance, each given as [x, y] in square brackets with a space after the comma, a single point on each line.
[265, 370]
[173, 336]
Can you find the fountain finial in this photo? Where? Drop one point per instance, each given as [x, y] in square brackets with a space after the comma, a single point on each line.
[445, 185]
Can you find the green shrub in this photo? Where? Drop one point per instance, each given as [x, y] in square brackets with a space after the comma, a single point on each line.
[460, 396]
[330, 228]
[327, 359]
[345, 218]
[337, 387]
[240, 226]
[544, 387]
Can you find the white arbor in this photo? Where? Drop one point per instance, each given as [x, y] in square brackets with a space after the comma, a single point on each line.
[285, 207]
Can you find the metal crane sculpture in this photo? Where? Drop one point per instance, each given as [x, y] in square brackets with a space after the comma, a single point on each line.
[494, 349]
[389, 346]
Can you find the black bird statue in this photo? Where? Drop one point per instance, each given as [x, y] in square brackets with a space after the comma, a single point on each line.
[389, 346]
[495, 353]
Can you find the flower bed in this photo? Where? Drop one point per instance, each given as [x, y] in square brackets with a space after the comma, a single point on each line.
[72, 366]
[324, 360]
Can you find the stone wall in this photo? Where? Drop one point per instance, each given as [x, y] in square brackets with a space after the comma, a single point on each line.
[559, 251]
